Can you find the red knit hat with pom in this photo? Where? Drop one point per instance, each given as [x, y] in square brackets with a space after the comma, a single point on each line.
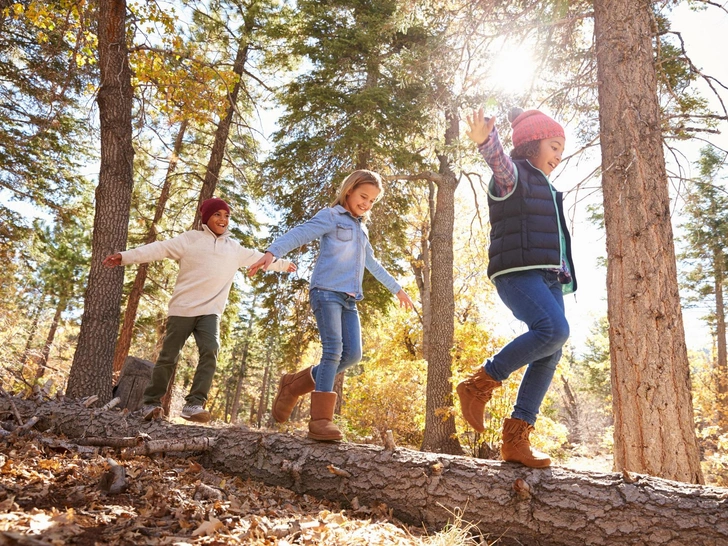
[211, 206]
[534, 125]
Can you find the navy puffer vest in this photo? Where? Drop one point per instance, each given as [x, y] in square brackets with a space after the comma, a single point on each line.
[526, 226]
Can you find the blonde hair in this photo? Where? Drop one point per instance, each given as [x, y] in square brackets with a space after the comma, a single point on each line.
[355, 179]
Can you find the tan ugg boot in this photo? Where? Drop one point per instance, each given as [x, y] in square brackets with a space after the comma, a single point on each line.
[321, 426]
[474, 393]
[516, 446]
[290, 388]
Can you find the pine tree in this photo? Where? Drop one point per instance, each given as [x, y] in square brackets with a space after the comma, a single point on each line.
[706, 238]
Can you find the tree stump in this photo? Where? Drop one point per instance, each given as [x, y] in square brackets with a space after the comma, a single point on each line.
[135, 376]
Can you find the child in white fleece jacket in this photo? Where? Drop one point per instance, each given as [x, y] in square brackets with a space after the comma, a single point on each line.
[208, 261]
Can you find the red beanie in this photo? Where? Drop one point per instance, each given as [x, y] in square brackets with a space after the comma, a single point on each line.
[534, 125]
[211, 206]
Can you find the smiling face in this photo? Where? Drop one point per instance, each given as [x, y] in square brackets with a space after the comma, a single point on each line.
[361, 199]
[549, 154]
[218, 222]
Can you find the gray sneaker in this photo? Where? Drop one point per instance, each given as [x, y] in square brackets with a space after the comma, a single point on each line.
[193, 412]
[151, 412]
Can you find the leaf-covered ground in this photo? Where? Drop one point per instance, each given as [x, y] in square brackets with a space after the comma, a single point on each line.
[54, 494]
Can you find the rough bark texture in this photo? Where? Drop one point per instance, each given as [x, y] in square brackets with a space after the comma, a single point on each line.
[214, 165]
[91, 371]
[132, 305]
[653, 413]
[48, 345]
[440, 434]
[720, 331]
[135, 376]
[547, 507]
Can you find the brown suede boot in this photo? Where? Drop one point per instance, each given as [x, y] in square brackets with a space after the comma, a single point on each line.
[290, 388]
[516, 446]
[321, 426]
[474, 394]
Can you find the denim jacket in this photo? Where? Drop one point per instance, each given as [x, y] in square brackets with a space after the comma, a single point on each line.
[345, 252]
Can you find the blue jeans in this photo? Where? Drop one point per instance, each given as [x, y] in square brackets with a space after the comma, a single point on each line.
[534, 297]
[338, 324]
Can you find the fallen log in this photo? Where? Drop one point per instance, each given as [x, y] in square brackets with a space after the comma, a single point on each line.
[548, 507]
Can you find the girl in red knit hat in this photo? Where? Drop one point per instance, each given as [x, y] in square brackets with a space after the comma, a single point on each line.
[208, 261]
[530, 264]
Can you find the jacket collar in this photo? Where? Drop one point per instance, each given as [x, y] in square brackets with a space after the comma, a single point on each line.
[225, 235]
[342, 210]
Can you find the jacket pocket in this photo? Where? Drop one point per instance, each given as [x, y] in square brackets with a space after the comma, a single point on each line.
[344, 233]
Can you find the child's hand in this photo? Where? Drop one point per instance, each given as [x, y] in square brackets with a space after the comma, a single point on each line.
[263, 264]
[480, 127]
[292, 268]
[112, 260]
[404, 300]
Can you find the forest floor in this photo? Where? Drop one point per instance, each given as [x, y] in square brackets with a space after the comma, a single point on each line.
[53, 493]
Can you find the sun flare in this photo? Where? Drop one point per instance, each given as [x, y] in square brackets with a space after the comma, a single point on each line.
[513, 69]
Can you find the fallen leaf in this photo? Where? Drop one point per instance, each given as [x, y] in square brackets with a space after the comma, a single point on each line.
[208, 528]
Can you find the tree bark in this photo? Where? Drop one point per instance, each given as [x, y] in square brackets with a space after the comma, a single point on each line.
[214, 165]
[91, 371]
[440, 433]
[718, 280]
[239, 384]
[32, 330]
[508, 502]
[721, 367]
[263, 401]
[654, 428]
[422, 270]
[132, 305]
[50, 338]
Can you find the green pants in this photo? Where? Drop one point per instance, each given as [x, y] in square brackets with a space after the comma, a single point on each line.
[206, 329]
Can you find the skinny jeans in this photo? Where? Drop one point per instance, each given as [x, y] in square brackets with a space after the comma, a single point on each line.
[535, 298]
[338, 324]
[206, 329]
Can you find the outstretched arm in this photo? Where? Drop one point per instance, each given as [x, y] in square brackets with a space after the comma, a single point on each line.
[482, 131]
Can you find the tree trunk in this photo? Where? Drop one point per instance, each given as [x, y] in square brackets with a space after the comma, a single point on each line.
[91, 371]
[263, 401]
[134, 378]
[722, 363]
[46, 351]
[440, 434]
[504, 501]
[166, 400]
[721, 368]
[422, 270]
[31, 335]
[132, 305]
[654, 428]
[214, 165]
[239, 385]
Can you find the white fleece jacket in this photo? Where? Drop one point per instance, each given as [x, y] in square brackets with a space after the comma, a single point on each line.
[207, 266]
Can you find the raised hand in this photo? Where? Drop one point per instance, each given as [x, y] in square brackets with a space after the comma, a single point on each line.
[480, 126]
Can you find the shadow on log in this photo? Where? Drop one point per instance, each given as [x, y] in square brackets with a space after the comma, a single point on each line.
[549, 507]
